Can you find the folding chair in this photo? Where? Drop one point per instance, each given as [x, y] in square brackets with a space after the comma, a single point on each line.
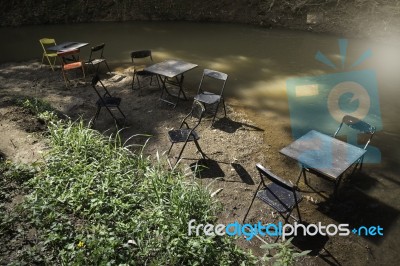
[69, 62]
[96, 58]
[360, 126]
[105, 100]
[188, 134]
[51, 56]
[210, 98]
[140, 60]
[279, 194]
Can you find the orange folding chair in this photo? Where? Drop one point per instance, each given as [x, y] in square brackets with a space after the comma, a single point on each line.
[51, 56]
[69, 62]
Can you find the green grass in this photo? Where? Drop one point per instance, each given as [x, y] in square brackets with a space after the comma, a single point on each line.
[94, 202]
[34, 105]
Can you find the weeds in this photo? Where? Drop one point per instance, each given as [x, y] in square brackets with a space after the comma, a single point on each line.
[284, 255]
[12, 189]
[95, 202]
[38, 107]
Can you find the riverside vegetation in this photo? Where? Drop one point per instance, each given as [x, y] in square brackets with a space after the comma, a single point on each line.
[92, 201]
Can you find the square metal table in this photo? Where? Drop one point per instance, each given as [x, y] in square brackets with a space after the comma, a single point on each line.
[171, 72]
[67, 46]
[323, 154]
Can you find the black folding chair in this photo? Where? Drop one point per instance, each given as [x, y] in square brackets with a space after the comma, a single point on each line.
[96, 58]
[210, 98]
[105, 100]
[140, 60]
[188, 134]
[360, 126]
[279, 194]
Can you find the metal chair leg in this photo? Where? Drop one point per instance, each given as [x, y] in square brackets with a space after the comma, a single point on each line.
[223, 102]
[133, 81]
[121, 112]
[109, 70]
[181, 152]
[66, 80]
[199, 149]
[252, 201]
[169, 150]
[83, 71]
[215, 113]
[96, 115]
[138, 82]
[97, 69]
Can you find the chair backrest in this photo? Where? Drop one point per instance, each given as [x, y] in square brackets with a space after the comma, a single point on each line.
[45, 42]
[359, 125]
[197, 111]
[141, 54]
[273, 178]
[98, 49]
[95, 81]
[213, 74]
[140, 59]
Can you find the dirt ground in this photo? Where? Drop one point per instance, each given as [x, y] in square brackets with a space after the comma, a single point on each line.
[233, 146]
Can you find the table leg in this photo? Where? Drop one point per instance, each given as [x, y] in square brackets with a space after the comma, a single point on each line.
[165, 89]
[299, 176]
[181, 87]
[304, 174]
[178, 83]
[337, 183]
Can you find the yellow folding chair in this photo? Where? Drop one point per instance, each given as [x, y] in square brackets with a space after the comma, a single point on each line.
[51, 56]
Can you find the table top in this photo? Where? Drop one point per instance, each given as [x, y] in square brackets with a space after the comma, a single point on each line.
[323, 153]
[67, 46]
[170, 68]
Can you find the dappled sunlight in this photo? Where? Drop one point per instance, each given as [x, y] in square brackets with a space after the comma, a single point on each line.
[271, 91]
[161, 55]
[259, 64]
[267, 95]
[269, 88]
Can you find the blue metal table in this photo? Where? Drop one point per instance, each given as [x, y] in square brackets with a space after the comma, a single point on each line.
[323, 154]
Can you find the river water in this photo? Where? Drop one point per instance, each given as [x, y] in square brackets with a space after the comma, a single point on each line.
[259, 62]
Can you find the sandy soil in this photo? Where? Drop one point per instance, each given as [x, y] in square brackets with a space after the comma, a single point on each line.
[234, 145]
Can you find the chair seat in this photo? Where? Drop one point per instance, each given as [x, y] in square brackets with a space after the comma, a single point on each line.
[72, 65]
[279, 198]
[180, 135]
[144, 73]
[207, 97]
[95, 61]
[109, 102]
[50, 54]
